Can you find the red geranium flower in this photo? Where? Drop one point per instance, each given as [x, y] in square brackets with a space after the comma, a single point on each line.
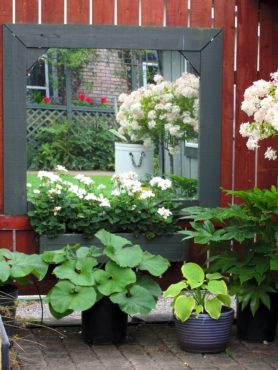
[46, 100]
[82, 96]
[103, 100]
[89, 100]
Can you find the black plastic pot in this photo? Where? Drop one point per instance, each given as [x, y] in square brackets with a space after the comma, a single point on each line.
[205, 335]
[104, 323]
[261, 327]
[8, 297]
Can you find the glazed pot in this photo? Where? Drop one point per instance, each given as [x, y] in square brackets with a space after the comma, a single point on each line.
[205, 335]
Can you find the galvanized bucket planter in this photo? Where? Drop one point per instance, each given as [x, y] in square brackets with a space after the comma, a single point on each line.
[169, 246]
[205, 335]
[4, 347]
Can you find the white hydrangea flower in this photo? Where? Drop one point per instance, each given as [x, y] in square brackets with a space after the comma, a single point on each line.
[163, 184]
[146, 194]
[56, 210]
[90, 196]
[115, 193]
[52, 177]
[61, 168]
[104, 202]
[270, 154]
[164, 212]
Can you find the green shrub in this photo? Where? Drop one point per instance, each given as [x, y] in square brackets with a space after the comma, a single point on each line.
[75, 146]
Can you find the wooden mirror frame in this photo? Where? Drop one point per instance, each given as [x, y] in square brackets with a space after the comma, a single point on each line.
[24, 43]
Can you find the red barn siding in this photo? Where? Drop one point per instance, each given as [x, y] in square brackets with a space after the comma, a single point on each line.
[152, 12]
[78, 12]
[53, 11]
[26, 11]
[128, 12]
[176, 13]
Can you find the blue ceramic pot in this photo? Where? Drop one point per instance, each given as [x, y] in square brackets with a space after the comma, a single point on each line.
[205, 335]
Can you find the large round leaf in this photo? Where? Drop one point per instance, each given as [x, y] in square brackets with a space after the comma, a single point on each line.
[57, 256]
[149, 284]
[136, 300]
[225, 299]
[20, 265]
[39, 267]
[217, 287]
[65, 296]
[175, 289]
[113, 279]
[125, 257]
[154, 264]
[4, 271]
[194, 274]
[109, 239]
[183, 307]
[213, 307]
[79, 275]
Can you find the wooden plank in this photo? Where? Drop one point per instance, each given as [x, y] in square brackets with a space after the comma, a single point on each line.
[26, 11]
[267, 169]
[152, 12]
[26, 241]
[78, 11]
[53, 11]
[5, 17]
[103, 12]
[246, 74]
[15, 222]
[128, 12]
[200, 13]
[224, 17]
[176, 13]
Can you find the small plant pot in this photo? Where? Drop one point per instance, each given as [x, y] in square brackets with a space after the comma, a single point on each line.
[104, 323]
[262, 326]
[205, 335]
[8, 297]
[4, 347]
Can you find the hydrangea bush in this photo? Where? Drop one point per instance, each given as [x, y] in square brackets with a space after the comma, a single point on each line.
[62, 207]
[261, 103]
[166, 111]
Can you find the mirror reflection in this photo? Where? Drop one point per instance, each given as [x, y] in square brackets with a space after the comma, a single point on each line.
[81, 101]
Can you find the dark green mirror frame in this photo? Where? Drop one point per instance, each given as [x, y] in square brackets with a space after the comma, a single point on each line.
[24, 43]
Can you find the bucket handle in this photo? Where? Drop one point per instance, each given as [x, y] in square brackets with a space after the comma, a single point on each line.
[142, 155]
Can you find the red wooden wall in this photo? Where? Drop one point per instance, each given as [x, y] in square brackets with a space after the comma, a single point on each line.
[248, 55]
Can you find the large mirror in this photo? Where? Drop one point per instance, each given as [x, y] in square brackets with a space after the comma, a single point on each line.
[73, 77]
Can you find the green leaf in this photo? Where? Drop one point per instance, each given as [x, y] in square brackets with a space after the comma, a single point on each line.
[213, 307]
[149, 284]
[183, 307]
[4, 271]
[217, 287]
[136, 300]
[154, 264]
[109, 239]
[225, 299]
[82, 276]
[274, 265]
[57, 256]
[125, 257]
[194, 274]
[113, 279]
[214, 276]
[39, 267]
[65, 296]
[199, 309]
[58, 315]
[175, 289]
[20, 265]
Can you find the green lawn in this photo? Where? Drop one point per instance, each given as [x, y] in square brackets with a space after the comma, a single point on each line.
[105, 180]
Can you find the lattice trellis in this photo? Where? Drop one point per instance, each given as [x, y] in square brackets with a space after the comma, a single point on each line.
[38, 118]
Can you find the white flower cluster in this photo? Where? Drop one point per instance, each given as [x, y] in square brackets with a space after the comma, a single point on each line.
[164, 212]
[261, 103]
[167, 110]
[55, 185]
[161, 183]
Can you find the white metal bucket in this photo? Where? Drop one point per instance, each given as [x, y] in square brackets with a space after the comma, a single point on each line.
[133, 157]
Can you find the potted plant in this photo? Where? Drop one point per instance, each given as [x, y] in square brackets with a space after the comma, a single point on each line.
[106, 284]
[251, 262]
[4, 347]
[65, 213]
[165, 112]
[201, 303]
[16, 268]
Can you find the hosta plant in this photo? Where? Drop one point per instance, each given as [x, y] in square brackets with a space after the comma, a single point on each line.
[117, 269]
[198, 293]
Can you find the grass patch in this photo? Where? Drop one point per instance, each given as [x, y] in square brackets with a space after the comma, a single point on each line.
[105, 180]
